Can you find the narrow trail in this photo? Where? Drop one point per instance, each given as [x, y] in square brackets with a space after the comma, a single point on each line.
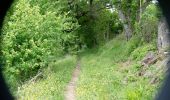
[70, 89]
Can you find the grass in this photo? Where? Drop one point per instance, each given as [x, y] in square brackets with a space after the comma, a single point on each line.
[111, 73]
[52, 86]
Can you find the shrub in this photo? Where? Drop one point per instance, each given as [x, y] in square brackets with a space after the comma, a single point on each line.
[134, 42]
[28, 39]
[149, 23]
[140, 52]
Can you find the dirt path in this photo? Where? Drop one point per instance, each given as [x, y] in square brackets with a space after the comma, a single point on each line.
[70, 89]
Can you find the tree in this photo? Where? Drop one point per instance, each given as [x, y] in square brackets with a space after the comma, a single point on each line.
[130, 12]
[163, 36]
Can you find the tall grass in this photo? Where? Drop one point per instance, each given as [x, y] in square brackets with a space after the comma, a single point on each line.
[53, 84]
[111, 72]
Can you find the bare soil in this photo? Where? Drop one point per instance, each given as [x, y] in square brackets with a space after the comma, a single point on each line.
[70, 89]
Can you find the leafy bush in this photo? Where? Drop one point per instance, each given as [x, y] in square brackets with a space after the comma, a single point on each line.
[28, 39]
[149, 23]
[106, 26]
[141, 51]
[134, 42]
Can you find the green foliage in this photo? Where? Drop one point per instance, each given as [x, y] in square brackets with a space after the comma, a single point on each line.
[68, 24]
[110, 79]
[141, 51]
[29, 38]
[32, 34]
[57, 6]
[149, 23]
[106, 26]
[133, 44]
[130, 9]
[37, 33]
[97, 24]
[53, 84]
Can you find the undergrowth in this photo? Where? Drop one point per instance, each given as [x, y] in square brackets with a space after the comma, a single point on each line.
[108, 72]
[53, 83]
[111, 72]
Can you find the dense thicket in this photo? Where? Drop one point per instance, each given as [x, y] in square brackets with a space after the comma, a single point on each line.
[29, 39]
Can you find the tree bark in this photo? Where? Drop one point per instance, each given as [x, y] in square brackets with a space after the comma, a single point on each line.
[91, 8]
[140, 10]
[163, 36]
[142, 7]
[126, 25]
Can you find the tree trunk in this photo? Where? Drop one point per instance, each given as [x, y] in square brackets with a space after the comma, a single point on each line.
[127, 27]
[91, 8]
[140, 10]
[142, 6]
[163, 36]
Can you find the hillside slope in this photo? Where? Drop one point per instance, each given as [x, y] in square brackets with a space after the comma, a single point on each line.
[114, 72]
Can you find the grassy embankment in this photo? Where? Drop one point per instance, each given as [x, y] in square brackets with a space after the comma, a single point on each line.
[111, 72]
[52, 85]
